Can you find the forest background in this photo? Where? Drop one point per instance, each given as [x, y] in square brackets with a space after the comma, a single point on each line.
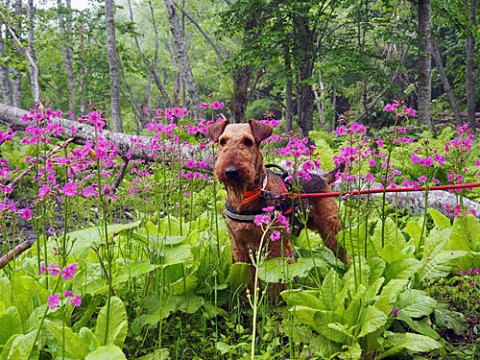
[306, 62]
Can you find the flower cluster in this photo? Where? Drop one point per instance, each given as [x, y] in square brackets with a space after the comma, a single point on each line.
[66, 273]
[274, 221]
[468, 277]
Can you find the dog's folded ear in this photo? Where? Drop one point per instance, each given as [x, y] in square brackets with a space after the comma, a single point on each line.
[260, 130]
[215, 130]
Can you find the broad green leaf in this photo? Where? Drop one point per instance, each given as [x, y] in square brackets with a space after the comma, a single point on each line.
[107, 352]
[466, 234]
[112, 328]
[358, 238]
[132, 270]
[86, 238]
[304, 298]
[329, 325]
[159, 241]
[19, 346]
[177, 254]
[449, 319]
[414, 229]
[74, 345]
[28, 294]
[413, 342]
[394, 242]
[372, 320]
[332, 292]
[436, 242]
[415, 303]
[353, 312]
[239, 276]
[158, 354]
[88, 338]
[440, 220]
[304, 315]
[11, 324]
[354, 351]
[276, 270]
[443, 264]
[422, 326]
[403, 269]
[377, 267]
[184, 285]
[389, 295]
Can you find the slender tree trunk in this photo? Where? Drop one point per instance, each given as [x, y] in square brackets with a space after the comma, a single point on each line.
[65, 26]
[187, 74]
[424, 88]
[81, 71]
[177, 78]
[17, 75]
[34, 70]
[289, 103]
[5, 76]
[318, 99]
[437, 57]
[304, 55]
[117, 124]
[471, 7]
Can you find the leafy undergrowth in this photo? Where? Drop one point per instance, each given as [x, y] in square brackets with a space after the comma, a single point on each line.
[144, 270]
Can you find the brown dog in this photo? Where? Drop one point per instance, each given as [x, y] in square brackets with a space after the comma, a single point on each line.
[251, 187]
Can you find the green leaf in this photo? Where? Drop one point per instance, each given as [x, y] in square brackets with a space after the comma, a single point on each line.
[239, 276]
[441, 265]
[107, 352]
[329, 325]
[466, 234]
[394, 242]
[414, 229]
[276, 270]
[19, 346]
[11, 324]
[304, 298]
[184, 285]
[389, 295]
[132, 270]
[413, 342]
[372, 320]
[112, 328]
[74, 345]
[415, 303]
[440, 220]
[449, 319]
[358, 238]
[158, 354]
[403, 269]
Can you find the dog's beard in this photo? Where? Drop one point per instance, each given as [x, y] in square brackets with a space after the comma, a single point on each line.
[235, 194]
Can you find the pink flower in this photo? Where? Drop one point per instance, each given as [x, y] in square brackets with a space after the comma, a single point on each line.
[261, 219]
[25, 213]
[217, 105]
[76, 301]
[275, 235]
[68, 293]
[69, 189]
[203, 105]
[395, 311]
[53, 301]
[69, 271]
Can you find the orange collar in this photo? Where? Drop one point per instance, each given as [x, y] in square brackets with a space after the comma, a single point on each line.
[252, 195]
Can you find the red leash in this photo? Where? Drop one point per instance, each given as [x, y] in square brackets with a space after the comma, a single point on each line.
[377, 191]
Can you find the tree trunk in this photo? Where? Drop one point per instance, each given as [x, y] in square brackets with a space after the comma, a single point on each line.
[318, 99]
[289, 103]
[117, 124]
[437, 57]
[187, 74]
[5, 76]
[82, 72]
[239, 99]
[65, 26]
[424, 87]
[34, 70]
[304, 55]
[17, 75]
[471, 7]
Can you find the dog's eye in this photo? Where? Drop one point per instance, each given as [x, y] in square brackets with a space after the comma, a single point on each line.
[223, 142]
[247, 142]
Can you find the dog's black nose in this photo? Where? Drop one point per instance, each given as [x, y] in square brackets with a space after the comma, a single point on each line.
[231, 172]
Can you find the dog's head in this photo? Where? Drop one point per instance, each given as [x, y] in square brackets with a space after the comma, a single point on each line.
[240, 160]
